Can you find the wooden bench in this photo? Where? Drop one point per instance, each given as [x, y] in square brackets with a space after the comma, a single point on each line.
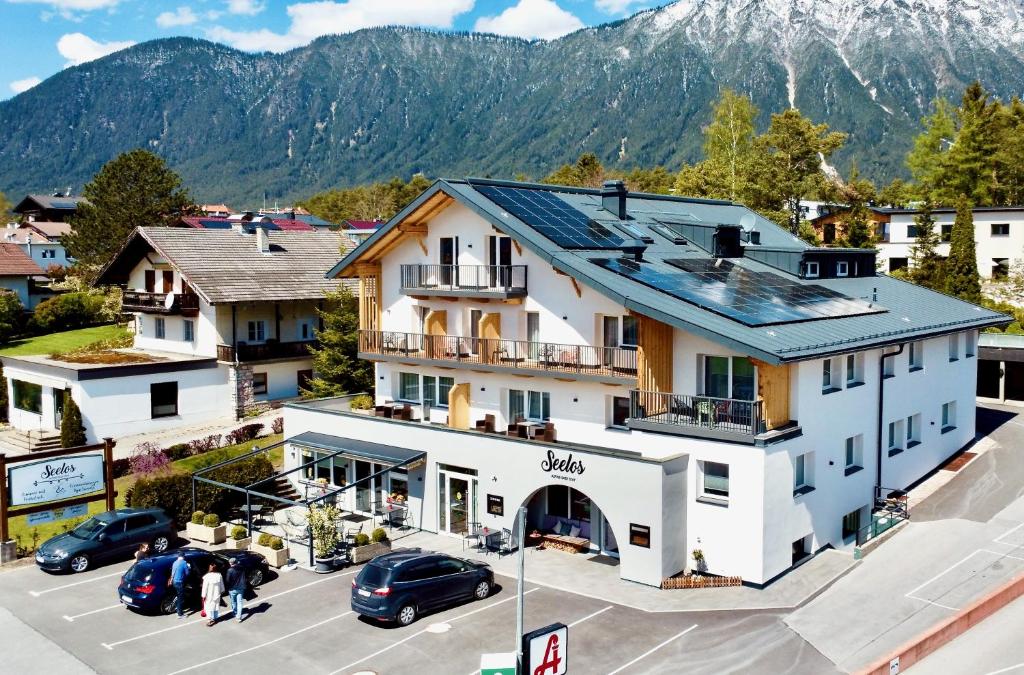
[562, 542]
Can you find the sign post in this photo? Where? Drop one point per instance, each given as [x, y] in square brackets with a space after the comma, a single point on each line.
[546, 651]
[521, 567]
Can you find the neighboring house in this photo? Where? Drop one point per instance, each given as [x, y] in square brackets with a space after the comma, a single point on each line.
[224, 320]
[58, 207]
[235, 220]
[216, 210]
[1001, 368]
[648, 375]
[19, 273]
[40, 241]
[830, 223]
[361, 230]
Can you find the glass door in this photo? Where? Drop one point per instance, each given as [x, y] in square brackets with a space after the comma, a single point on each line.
[429, 395]
[533, 334]
[500, 262]
[611, 340]
[364, 488]
[449, 259]
[58, 407]
[456, 502]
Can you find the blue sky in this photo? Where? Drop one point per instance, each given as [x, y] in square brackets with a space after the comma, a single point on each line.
[40, 37]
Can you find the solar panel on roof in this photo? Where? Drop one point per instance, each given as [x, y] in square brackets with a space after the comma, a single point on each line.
[552, 217]
[752, 298]
[63, 205]
[214, 224]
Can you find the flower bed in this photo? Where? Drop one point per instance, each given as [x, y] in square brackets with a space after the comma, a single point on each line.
[700, 581]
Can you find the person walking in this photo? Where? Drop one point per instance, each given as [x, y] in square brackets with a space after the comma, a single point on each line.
[143, 552]
[179, 575]
[213, 589]
[236, 588]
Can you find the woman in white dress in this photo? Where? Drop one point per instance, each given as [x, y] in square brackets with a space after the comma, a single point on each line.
[213, 589]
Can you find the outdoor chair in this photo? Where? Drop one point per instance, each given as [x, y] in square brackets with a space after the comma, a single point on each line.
[545, 433]
[474, 534]
[513, 429]
[486, 425]
[350, 533]
[508, 544]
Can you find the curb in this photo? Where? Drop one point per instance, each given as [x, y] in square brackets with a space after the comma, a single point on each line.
[958, 624]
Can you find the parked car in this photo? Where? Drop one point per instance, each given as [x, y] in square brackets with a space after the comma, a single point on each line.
[144, 586]
[401, 585]
[110, 535]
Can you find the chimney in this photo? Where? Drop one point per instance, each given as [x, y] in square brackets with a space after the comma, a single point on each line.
[613, 198]
[262, 239]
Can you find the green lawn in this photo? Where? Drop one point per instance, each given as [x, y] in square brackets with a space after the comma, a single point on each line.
[61, 342]
[32, 536]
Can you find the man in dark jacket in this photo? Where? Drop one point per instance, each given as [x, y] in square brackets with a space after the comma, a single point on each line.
[235, 583]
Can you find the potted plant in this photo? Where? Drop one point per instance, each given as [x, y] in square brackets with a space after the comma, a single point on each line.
[362, 404]
[240, 538]
[271, 548]
[206, 527]
[369, 547]
[324, 530]
[700, 564]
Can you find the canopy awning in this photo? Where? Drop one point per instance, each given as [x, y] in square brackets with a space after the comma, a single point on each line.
[380, 453]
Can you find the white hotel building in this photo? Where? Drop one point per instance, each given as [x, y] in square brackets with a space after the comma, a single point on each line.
[653, 374]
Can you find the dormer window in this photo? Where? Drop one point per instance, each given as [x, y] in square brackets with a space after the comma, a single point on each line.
[842, 269]
[812, 270]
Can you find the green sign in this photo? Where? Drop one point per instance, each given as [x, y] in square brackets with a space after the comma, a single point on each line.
[498, 664]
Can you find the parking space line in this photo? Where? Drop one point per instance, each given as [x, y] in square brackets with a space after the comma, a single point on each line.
[1007, 669]
[95, 611]
[263, 644]
[589, 616]
[406, 639]
[1006, 534]
[652, 650]
[1002, 554]
[36, 594]
[970, 555]
[111, 645]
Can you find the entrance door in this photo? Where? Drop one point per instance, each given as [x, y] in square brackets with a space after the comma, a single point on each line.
[611, 340]
[449, 259]
[58, 407]
[609, 546]
[364, 488]
[456, 502]
[533, 334]
[500, 262]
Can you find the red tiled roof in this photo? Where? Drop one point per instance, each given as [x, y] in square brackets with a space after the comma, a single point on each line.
[364, 224]
[14, 262]
[282, 224]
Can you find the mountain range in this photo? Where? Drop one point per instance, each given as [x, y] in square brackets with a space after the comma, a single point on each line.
[390, 102]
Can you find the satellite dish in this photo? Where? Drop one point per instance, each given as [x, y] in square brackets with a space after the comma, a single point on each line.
[747, 221]
[169, 300]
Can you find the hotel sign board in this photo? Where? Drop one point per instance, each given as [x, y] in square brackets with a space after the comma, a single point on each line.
[55, 479]
[546, 650]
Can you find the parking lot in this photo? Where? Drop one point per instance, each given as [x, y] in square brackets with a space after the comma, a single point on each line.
[301, 622]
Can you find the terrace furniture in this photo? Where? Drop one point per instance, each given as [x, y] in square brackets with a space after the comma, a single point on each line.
[506, 543]
[486, 425]
[513, 429]
[524, 429]
[476, 534]
[565, 543]
[545, 433]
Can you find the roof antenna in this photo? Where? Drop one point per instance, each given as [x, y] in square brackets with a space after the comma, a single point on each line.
[874, 294]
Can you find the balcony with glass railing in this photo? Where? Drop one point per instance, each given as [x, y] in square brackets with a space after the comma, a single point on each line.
[610, 364]
[478, 281]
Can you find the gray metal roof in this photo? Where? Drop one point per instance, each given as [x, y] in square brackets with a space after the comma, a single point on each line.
[912, 312]
[225, 266]
[378, 452]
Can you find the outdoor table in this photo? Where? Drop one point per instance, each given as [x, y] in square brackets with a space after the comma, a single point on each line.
[251, 512]
[525, 427]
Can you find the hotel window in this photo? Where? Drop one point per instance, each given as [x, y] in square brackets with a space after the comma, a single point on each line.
[436, 390]
[257, 331]
[812, 270]
[1000, 229]
[970, 343]
[912, 231]
[630, 332]
[803, 473]
[188, 330]
[729, 377]
[854, 369]
[842, 269]
[948, 416]
[829, 376]
[715, 480]
[531, 405]
[409, 387]
[889, 364]
[619, 411]
[854, 457]
[947, 232]
[306, 329]
[916, 355]
[28, 396]
[163, 399]
[913, 430]
[259, 384]
[954, 347]
[161, 328]
[851, 524]
[895, 442]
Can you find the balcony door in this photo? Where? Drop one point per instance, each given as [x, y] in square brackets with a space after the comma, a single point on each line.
[500, 261]
[611, 340]
[449, 258]
[533, 334]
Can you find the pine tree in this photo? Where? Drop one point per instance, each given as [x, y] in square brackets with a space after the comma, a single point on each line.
[970, 165]
[858, 193]
[962, 266]
[72, 431]
[336, 366]
[135, 188]
[927, 267]
[928, 158]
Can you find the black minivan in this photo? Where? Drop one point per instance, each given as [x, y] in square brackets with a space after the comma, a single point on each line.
[400, 586]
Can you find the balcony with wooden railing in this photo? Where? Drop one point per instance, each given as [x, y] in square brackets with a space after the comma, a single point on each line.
[185, 304]
[710, 417]
[609, 364]
[266, 351]
[478, 281]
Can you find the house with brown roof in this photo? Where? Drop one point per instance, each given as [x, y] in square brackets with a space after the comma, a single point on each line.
[17, 273]
[216, 210]
[57, 207]
[224, 320]
[41, 241]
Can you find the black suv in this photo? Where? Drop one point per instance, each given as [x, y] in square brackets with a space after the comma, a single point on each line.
[113, 534]
[401, 585]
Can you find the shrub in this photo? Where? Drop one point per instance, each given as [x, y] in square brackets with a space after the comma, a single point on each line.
[171, 492]
[197, 517]
[148, 458]
[11, 312]
[238, 533]
[379, 535]
[56, 272]
[361, 402]
[178, 451]
[276, 543]
[362, 539]
[322, 526]
[277, 426]
[121, 467]
[264, 539]
[66, 312]
[211, 520]
[244, 434]
[72, 431]
[128, 496]
[201, 445]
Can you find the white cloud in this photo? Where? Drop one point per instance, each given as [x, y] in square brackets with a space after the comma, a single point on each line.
[79, 48]
[19, 86]
[246, 7]
[616, 6]
[183, 16]
[310, 20]
[530, 19]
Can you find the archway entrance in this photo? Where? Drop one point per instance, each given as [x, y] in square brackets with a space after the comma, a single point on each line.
[567, 512]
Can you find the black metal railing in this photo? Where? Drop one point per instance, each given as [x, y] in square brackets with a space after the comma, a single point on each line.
[508, 279]
[890, 509]
[497, 352]
[704, 412]
[265, 351]
[157, 303]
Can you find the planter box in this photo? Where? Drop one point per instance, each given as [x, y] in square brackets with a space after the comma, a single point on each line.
[210, 535]
[239, 544]
[276, 559]
[361, 554]
[700, 581]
